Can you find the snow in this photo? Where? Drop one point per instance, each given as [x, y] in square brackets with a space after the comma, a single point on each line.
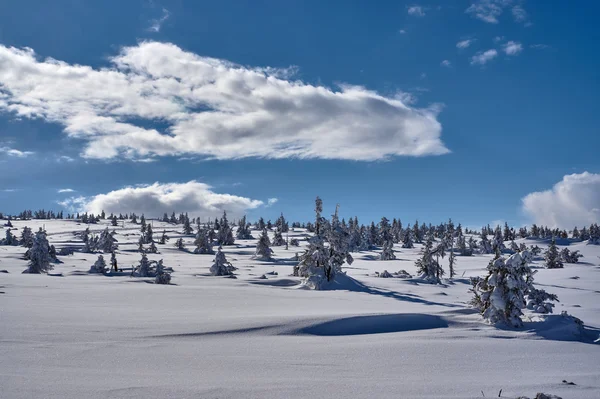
[72, 334]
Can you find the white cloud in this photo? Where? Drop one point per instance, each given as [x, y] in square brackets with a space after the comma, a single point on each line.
[153, 200]
[64, 158]
[446, 63]
[574, 201]
[65, 190]
[520, 15]
[402, 31]
[488, 10]
[540, 46]
[13, 152]
[416, 11]
[482, 58]
[213, 109]
[512, 48]
[272, 201]
[464, 43]
[498, 39]
[156, 24]
[10, 190]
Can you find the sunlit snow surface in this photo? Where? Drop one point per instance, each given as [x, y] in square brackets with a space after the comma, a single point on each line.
[71, 334]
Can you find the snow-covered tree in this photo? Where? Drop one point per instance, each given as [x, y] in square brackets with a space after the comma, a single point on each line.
[148, 234]
[513, 246]
[552, 256]
[407, 242]
[179, 243]
[243, 231]
[500, 296]
[39, 254]
[27, 237]
[538, 301]
[144, 268]
[152, 248]
[114, 222]
[107, 242]
[278, 238]
[203, 243]
[221, 267]
[388, 250]
[427, 266]
[10, 239]
[99, 266]
[187, 227]
[162, 276]
[225, 234]
[263, 250]
[320, 264]
[451, 263]
[163, 238]
[570, 257]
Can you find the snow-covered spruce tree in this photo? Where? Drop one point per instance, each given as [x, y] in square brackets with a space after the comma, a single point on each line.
[26, 237]
[162, 276]
[485, 246]
[594, 234]
[148, 235]
[294, 242]
[451, 263]
[407, 242]
[99, 266]
[513, 246]
[221, 267]
[500, 296]
[498, 241]
[107, 242]
[225, 234]
[114, 222]
[39, 254]
[427, 266]
[187, 227]
[9, 239]
[538, 300]
[203, 243]
[552, 257]
[152, 248]
[278, 239]
[243, 231]
[570, 257]
[388, 250]
[144, 269]
[320, 264]
[163, 238]
[179, 244]
[263, 250]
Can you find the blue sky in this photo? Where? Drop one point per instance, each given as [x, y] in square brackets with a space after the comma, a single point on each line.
[512, 111]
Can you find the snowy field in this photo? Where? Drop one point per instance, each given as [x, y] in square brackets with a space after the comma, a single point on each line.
[71, 334]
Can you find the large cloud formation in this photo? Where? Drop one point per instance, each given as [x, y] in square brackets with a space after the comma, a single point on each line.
[153, 200]
[212, 109]
[574, 201]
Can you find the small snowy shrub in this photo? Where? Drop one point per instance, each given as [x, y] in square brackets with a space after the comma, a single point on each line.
[162, 277]
[221, 267]
[537, 301]
[99, 266]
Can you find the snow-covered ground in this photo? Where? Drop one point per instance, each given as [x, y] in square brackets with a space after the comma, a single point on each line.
[71, 334]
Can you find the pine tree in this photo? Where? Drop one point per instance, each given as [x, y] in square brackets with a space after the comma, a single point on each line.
[162, 276]
[163, 238]
[27, 237]
[388, 250]
[225, 234]
[552, 257]
[243, 231]
[144, 269]
[179, 243]
[39, 254]
[263, 250]
[278, 238]
[203, 243]
[221, 267]
[187, 227]
[99, 266]
[451, 263]
[500, 296]
[113, 221]
[152, 249]
[428, 267]
[407, 242]
[107, 242]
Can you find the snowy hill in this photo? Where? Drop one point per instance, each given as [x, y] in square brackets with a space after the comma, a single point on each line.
[73, 334]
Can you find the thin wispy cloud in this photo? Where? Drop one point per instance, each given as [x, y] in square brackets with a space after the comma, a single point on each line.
[512, 48]
[156, 24]
[520, 15]
[13, 152]
[483, 57]
[213, 109]
[271, 202]
[446, 64]
[465, 43]
[65, 190]
[416, 11]
[490, 11]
